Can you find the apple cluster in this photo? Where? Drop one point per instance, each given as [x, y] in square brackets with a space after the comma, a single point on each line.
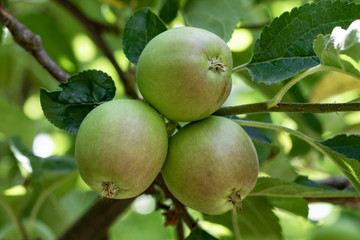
[210, 164]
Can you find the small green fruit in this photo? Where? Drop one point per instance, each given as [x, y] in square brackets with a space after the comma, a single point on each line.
[185, 73]
[211, 166]
[120, 148]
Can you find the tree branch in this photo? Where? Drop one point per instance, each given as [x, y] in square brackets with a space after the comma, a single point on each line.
[31, 43]
[289, 107]
[95, 222]
[95, 30]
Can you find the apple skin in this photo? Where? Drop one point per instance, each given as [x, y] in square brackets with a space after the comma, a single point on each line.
[209, 163]
[120, 148]
[176, 76]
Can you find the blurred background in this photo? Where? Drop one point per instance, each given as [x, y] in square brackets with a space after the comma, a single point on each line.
[46, 205]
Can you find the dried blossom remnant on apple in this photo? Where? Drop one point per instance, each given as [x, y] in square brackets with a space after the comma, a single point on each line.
[110, 190]
[235, 200]
[216, 64]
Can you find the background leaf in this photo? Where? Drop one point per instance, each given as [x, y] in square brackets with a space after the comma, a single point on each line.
[143, 26]
[286, 46]
[15, 123]
[217, 16]
[67, 108]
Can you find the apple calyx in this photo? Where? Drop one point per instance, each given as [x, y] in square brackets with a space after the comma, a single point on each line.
[110, 190]
[216, 64]
[235, 199]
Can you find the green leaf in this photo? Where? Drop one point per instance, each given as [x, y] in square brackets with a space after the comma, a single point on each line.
[272, 187]
[345, 152]
[346, 145]
[143, 26]
[169, 10]
[199, 234]
[341, 49]
[286, 46]
[256, 220]
[67, 108]
[217, 16]
[53, 164]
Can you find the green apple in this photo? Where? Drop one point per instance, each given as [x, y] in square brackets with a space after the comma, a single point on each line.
[120, 148]
[211, 166]
[185, 73]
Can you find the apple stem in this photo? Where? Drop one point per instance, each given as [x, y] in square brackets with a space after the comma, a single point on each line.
[235, 199]
[110, 190]
[216, 64]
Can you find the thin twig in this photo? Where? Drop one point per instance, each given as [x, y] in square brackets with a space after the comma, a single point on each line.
[180, 230]
[179, 207]
[31, 43]
[289, 107]
[95, 30]
[339, 183]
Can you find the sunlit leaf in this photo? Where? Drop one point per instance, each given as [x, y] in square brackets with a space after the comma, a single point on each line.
[286, 45]
[341, 49]
[83, 92]
[143, 26]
